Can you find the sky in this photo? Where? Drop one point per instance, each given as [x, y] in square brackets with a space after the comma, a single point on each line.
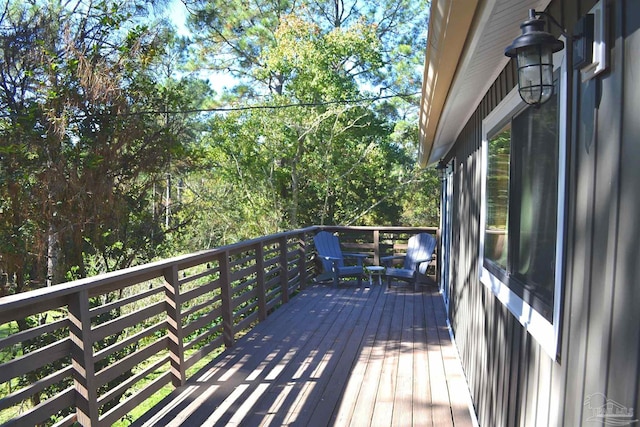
[177, 12]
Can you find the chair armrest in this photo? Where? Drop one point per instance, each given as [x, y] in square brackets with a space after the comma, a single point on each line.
[421, 261]
[387, 259]
[333, 260]
[359, 257]
[363, 256]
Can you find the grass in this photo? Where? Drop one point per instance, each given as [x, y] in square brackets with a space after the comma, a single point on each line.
[8, 329]
[11, 328]
[157, 397]
[140, 410]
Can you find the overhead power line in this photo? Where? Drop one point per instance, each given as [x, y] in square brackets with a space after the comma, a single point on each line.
[273, 107]
[259, 107]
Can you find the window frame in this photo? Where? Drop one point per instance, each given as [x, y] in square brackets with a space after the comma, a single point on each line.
[546, 332]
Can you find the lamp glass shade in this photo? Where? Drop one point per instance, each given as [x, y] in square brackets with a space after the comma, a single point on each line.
[535, 73]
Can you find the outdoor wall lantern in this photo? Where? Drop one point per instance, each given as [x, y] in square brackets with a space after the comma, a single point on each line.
[441, 169]
[534, 50]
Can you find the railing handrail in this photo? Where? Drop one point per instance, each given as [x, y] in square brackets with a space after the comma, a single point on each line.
[16, 301]
[24, 299]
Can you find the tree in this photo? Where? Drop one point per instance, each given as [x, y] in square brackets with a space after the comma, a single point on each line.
[232, 36]
[79, 155]
[329, 160]
[82, 146]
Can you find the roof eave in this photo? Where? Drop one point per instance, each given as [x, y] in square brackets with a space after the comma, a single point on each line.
[449, 25]
[465, 54]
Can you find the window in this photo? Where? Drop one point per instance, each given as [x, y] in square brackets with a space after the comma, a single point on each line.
[523, 207]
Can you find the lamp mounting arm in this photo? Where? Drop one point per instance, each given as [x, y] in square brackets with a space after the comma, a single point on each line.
[563, 31]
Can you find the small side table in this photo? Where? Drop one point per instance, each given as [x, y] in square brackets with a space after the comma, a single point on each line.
[375, 270]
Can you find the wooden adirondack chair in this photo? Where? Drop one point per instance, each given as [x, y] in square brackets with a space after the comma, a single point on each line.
[416, 260]
[330, 253]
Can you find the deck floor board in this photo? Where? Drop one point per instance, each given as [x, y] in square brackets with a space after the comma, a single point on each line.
[348, 357]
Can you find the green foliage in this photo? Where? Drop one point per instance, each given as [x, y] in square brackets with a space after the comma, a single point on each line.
[315, 66]
[79, 161]
[268, 169]
[234, 36]
[94, 183]
[99, 172]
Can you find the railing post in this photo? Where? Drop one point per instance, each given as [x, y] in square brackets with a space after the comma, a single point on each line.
[174, 320]
[262, 297]
[376, 247]
[82, 359]
[227, 303]
[284, 270]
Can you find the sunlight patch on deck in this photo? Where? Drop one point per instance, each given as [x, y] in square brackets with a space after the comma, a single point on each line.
[317, 373]
[263, 365]
[226, 405]
[168, 408]
[232, 371]
[270, 417]
[192, 407]
[305, 365]
[245, 408]
[275, 372]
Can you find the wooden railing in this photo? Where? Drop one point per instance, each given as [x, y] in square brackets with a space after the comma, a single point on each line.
[92, 350]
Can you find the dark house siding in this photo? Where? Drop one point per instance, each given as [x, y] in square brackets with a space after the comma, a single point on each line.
[512, 380]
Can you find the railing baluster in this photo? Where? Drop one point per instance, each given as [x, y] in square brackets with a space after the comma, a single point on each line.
[227, 304]
[174, 320]
[82, 359]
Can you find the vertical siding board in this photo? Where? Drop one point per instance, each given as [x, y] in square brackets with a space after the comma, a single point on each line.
[470, 328]
[480, 348]
[544, 389]
[575, 297]
[492, 372]
[514, 374]
[503, 315]
[472, 344]
[533, 374]
[481, 311]
[580, 257]
[498, 363]
[512, 336]
[525, 390]
[605, 208]
[558, 395]
[623, 382]
[503, 378]
[473, 144]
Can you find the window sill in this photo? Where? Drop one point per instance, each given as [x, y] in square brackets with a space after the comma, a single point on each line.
[539, 327]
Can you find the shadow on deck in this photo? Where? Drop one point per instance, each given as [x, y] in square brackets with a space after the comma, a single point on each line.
[346, 356]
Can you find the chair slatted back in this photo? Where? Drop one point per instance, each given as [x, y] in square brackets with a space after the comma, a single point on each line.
[328, 245]
[420, 248]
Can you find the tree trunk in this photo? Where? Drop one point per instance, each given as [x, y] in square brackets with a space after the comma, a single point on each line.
[53, 252]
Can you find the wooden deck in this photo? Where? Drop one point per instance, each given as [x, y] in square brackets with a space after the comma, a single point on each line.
[348, 356]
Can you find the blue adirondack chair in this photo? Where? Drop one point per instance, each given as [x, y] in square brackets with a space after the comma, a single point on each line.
[330, 253]
[416, 260]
